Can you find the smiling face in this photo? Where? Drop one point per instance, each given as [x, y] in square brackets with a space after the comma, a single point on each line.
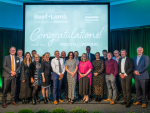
[76, 54]
[19, 53]
[63, 54]
[88, 49]
[140, 51]
[28, 56]
[57, 54]
[97, 56]
[109, 56]
[12, 51]
[36, 58]
[123, 54]
[47, 57]
[116, 53]
[33, 53]
[71, 56]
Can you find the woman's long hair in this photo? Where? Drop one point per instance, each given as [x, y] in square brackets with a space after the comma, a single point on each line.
[86, 57]
[25, 59]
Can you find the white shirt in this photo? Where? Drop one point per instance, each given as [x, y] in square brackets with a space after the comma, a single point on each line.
[55, 65]
[14, 62]
[123, 66]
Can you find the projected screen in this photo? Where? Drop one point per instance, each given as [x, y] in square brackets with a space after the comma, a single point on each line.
[66, 28]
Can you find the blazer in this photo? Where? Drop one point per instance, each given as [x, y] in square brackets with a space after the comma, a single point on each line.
[92, 57]
[8, 67]
[24, 71]
[128, 66]
[142, 67]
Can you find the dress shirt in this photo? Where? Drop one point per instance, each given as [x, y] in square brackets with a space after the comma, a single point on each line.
[32, 59]
[111, 67]
[116, 59]
[138, 59]
[14, 62]
[89, 56]
[123, 60]
[55, 65]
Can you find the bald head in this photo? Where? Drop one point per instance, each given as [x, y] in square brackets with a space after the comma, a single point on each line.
[63, 54]
[139, 51]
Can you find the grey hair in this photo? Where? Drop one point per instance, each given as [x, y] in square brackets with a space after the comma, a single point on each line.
[140, 47]
[19, 50]
[12, 47]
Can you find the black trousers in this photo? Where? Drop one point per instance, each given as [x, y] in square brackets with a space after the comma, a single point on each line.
[141, 86]
[126, 88]
[65, 85]
[10, 81]
[18, 86]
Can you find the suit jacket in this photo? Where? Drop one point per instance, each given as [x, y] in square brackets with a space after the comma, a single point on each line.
[142, 67]
[24, 71]
[128, 66]
[8, 67]
[102, 58]
[92, 57]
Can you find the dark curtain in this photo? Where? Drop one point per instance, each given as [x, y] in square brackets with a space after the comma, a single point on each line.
[9, 38]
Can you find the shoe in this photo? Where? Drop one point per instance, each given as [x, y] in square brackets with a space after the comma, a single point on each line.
[14, 103]
[27, 100]
[144, 105]
[55, 102]
[86, 101]
[4, 105]
[107, 100]
[127, 105]
[117, 98]
[45, 100]
[137, 103]
[23, 101]
[112, 103]
[79, 96]
[96, 98]
[99, 98]
[33, 100]
[61, 100]
[91, 97]
[123, 103]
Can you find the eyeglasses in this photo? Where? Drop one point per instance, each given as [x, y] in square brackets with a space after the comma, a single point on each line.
[12, 50]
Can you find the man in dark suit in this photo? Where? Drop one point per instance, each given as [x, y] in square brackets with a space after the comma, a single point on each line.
[76, 56]
[125, 71]
[11, 67]
[141, 75]
[64, 82]
[91, 57]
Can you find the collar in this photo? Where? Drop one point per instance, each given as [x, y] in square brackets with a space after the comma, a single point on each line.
[124, 57]
[57, 58]
[139, 56]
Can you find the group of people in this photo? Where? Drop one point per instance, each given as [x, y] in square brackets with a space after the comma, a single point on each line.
[94, 75]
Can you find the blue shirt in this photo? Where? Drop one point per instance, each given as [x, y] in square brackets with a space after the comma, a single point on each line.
[138, 59]
[116, 59]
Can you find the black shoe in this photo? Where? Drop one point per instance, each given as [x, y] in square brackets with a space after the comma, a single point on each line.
[45, 101]
[123, 103]
[96, 98]
[91, 97]
[33, 101]
[79, 96]
[127, 105]
[99, 98]
[23, 101]
[27, 100]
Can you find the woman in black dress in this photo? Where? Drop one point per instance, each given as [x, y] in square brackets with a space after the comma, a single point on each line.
[25, 85]
[46, 77]
[35, 73]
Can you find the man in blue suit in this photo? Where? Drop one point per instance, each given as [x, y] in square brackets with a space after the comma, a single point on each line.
[141, 75]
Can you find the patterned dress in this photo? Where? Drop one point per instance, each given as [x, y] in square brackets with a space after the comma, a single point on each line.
[71, 65]
[99, 80]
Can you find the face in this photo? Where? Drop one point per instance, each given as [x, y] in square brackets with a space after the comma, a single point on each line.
[84, 57]
[123, 54]
[19, 53]
[44, 58]
[139, 51]
[27, 56]
[116, 53]
[76, 54]
[109, 56]
[12, 51]
[63, 54]
[33, 53]
[70, 56]
[47, 57]
[97, 56]
[36, 58]
[88, 49]
[57, 54]
[104, 54]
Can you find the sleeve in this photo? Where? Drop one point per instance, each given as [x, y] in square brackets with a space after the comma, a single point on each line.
[102, 68]
[42, 67]
[116, 68]
[145, 67]
[31, 70]
[53, 67]
[76, 62]
[22, 71]
[90, 65]
[130, 69]
[5, 65]
[66, 63]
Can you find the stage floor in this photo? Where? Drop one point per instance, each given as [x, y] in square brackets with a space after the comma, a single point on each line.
[102, 106]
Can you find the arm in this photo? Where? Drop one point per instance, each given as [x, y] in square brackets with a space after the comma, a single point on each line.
[42, 69]
[53, 67]
[5, 65]
[145, 67]
[76, 69]
[116, 68]
[102, 68]
[18, 66]
[88, 72]
[130, 69]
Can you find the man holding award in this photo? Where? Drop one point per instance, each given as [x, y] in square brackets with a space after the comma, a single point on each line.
[58, 71]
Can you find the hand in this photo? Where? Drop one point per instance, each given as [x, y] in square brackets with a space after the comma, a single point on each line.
[13, 73]
[82, 75]
[32, 81]
[23, 80]
[61, 75]
[43, 79]
[95, 74]
[122, 76]
[72, 74]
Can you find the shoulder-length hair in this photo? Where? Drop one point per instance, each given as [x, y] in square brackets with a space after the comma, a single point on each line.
[72, 54]
[43, 57]
[25, 60]
[86, 57]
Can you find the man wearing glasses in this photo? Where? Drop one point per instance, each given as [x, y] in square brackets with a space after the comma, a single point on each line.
[11, 67]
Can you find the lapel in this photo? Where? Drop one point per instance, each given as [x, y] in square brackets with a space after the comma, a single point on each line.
[9, 60]
[140, 59]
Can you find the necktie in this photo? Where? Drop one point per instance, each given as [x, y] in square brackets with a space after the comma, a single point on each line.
[59, 66]
[13, 67]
